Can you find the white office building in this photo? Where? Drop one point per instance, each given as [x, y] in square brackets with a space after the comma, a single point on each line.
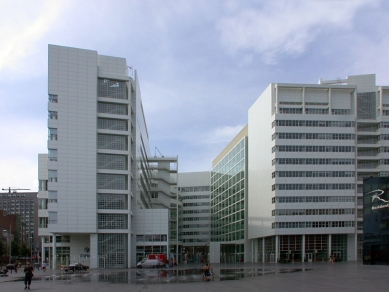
[96, 180]
[309, 147]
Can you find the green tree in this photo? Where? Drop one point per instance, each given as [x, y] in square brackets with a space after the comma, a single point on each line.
[24, 251]
[3, 249]
[15, 248]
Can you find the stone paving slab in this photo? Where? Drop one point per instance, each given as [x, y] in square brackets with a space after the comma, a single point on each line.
[317, 277]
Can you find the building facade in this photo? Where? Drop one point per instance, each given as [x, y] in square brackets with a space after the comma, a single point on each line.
[95, 181]
[195, 220]
[310, 146]
[229, 201]
[25, 225]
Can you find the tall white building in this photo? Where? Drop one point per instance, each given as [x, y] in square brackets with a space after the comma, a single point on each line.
[96, 180]
[309, 146]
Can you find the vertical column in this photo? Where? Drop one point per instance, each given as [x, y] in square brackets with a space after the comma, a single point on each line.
[276, 248]
[329, 245]
[43, 257]
[253, 250]
[263, 250]
[54, 254]
[94, 258]
[302, 247]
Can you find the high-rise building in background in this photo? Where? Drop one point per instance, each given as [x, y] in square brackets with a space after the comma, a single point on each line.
[97, 180]
[20, 209]
[195, 218]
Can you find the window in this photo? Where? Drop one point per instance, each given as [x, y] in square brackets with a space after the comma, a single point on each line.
[53, 115]
[53, 98]
[53, 134]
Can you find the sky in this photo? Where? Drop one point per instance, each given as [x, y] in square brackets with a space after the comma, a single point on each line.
[201, 64]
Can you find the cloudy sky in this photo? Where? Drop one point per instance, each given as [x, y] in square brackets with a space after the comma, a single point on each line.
[201, 63]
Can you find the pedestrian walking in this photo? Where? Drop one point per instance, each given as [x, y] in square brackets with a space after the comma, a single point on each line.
[28, 274]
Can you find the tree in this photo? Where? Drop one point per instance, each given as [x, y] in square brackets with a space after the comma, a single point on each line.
[3, 249]
[24, 251]
[15, 248]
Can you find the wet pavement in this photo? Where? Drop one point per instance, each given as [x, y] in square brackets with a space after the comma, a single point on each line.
[347, 276]
[155, 276]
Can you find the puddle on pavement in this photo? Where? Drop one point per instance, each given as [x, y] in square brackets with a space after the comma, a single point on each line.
[162, 276]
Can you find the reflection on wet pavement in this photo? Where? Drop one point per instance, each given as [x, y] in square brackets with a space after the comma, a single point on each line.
[164, 276]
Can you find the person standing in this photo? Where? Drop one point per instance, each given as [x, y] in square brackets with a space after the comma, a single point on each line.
[28, 276]
[44, 265]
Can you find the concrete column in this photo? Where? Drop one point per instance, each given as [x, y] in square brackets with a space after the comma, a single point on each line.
[329, 245]
[263, 250]
[276, 248]
[43, 257]
[54, 254]
[302, 247]
[94, 258]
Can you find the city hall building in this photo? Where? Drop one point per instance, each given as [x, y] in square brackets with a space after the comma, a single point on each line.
[104, 199]
[376, 221]
[298, 194]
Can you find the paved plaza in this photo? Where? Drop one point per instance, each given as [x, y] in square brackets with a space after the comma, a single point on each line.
[343, 276]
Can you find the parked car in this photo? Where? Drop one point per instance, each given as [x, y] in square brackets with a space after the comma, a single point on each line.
[74, 267]
[10, 267]
[146, 263]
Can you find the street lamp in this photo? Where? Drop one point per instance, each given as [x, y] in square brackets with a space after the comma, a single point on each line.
[31, 238]
[10, 242]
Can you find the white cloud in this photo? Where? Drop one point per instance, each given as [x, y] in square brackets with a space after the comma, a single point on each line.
[22, 25]
[20, 146]
[284, 27]
[221, 134]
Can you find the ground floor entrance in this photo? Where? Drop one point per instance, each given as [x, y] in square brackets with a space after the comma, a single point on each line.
[303, 248]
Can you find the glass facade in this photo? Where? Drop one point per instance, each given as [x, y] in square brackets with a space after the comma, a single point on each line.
[227, 195]
[376, 221]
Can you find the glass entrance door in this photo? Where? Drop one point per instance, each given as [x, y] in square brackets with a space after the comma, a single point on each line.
[309, 257]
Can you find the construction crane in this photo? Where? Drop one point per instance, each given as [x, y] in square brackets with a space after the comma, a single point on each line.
[9, 189]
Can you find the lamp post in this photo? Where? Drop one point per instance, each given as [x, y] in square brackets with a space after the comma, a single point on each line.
[31, 238]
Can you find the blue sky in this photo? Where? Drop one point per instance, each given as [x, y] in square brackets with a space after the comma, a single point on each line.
[201, 64]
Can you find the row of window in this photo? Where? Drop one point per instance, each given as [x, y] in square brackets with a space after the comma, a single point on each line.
[196, 218]
[303, 212]
[196, 233]
[303, 123]
[196, 197]
[320, 224]
[315, 161]
[297, 148]
[151, 237]
[314, 187]
[313, 199]
[197, 204]
[197, 226]
[194, 189]
[314, 136]
[195, 211]
[314, 111]
[313, 174]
